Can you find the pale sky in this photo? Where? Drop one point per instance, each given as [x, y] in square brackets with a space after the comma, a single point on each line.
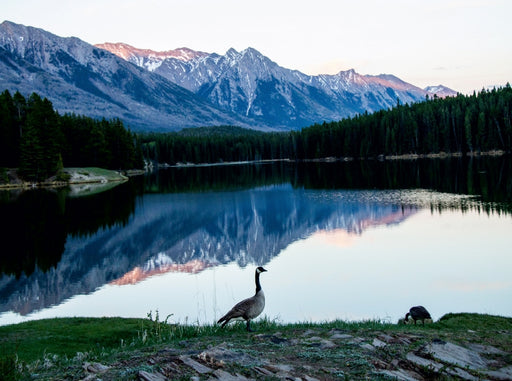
[463, 44]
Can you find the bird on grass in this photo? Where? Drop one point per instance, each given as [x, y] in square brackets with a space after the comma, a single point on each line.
[249, 308]
[417, 313]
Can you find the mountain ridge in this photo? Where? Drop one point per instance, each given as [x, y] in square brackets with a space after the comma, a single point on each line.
[80, 78]
[182, 88]
[251, 84]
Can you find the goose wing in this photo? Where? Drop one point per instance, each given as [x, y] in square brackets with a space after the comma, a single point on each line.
[239, 310]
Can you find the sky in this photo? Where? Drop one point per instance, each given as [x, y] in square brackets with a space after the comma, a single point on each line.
[463, 44]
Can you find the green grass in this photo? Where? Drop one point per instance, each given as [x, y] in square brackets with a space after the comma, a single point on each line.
[66, 336]
[96, 172]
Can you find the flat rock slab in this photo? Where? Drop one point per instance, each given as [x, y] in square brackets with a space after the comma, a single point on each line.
[420, 361]
[341, 336]
[501, 374]
[456, 355]
[222, 375]
[146, 376]
[401, 374]
[199, 368]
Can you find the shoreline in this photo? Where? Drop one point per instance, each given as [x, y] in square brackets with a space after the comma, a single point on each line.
[80, 176]
[457, 346]
[77, 176]
[331, 159]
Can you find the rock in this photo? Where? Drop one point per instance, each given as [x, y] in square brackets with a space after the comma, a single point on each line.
[367, 346]
[341, 336]
[378, 344]
[423, 362]
[461, 374]
[487, 349]
[438, 367]
[95, 367]
[335, 371]
[219, 356]
[308, 378]
[276, 339]
[146, 376]
[387, 338]
[456, 355]
[199, 368]
[225, 376]
[279, 368]
[263, 371]
[402, 375]
[309, 332]
[357, 340]
[322, 343]
[501, 374]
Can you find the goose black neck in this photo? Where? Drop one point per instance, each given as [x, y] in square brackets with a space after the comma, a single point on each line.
[258, 285]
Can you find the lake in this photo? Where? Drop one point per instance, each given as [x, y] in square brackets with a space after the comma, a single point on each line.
[344, 240]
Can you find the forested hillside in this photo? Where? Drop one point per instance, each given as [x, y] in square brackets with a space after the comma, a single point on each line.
[475, 123]
[40, 142]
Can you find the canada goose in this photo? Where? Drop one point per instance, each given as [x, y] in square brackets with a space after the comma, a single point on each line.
[248, 308]
[417, 313]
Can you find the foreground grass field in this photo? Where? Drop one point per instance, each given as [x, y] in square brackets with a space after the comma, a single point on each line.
[145, 348]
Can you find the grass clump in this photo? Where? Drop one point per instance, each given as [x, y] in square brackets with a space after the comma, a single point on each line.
[9, 368]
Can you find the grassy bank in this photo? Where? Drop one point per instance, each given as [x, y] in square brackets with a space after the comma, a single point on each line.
[134, 348]
[9, 179]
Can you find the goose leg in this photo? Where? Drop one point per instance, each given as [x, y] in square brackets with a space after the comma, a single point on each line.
[249, 326]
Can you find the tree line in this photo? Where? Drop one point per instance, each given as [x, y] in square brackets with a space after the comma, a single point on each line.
[39, 142]
[474, 123]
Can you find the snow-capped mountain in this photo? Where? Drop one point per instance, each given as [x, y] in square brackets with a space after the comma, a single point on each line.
[440, 91]
[250, 84]
[80, 78]
[149, 58]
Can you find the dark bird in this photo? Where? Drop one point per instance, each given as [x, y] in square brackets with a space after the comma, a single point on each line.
[248, 308]
[417, 313]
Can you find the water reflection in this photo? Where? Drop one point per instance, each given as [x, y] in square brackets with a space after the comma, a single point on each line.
[204, 220]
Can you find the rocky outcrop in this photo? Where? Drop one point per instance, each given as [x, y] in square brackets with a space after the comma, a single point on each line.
[316, 354]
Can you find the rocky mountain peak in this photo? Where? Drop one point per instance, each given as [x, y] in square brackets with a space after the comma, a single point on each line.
[440, 91]
[128, 52]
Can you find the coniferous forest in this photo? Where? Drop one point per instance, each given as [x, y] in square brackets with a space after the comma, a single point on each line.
[39, 142]
[463, 124]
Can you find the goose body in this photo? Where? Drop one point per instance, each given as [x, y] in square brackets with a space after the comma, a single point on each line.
[418, 313]
[249, 308]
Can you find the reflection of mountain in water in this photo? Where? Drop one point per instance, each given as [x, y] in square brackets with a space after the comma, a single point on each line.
[188, 232]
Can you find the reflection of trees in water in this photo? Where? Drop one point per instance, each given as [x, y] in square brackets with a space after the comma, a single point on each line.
[37, 223]
[489, 178]
[33, 232]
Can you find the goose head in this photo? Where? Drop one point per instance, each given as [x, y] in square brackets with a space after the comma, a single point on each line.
[260, 269]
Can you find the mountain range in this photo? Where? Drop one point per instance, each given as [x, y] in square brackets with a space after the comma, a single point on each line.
[80, 78]
[250, 84]
[180, 88]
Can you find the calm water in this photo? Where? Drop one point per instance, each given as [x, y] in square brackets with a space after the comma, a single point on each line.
[339, 240]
